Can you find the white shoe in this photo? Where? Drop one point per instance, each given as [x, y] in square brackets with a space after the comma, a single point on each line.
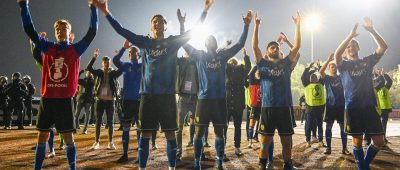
[95, 146]
[111, 146]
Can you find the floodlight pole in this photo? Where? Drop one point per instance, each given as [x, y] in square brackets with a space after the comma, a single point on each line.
[312, 45]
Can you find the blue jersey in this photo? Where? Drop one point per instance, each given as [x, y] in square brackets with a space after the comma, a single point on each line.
[158, 60]
[132, 75]
[334, 91]
[211, 68]
[275, 82]
[357, 82]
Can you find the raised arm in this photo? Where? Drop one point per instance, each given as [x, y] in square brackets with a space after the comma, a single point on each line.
[382, 46]
[342, 47]
[388, 80]
[29, 28]
[242, 41]
[91, 62]
[325, 65]
[117, 58]
[294, 57]
[136, 40]
[256, 49]
[83, 44]
[247, 62]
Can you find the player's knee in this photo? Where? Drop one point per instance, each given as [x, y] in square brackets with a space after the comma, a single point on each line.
[169, 135]
[378, 141]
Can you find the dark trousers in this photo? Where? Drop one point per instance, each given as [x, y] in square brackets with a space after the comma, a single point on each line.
[314, 120]
[237, 122]
[108, 107]
[28, 110]
[16, 108]
[79, 106]
[6, 115]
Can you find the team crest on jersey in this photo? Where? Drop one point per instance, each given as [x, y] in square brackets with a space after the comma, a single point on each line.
[58, 70]
[214, 64]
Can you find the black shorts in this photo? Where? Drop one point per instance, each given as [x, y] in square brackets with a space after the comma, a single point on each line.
[363, 120]
[334, 113]
[211, 110]
[130, 112]
[255, 113]
[158, 110]
[58, 112]
[276, 118]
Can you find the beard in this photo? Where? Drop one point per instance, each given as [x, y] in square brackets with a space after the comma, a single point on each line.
[275, 56]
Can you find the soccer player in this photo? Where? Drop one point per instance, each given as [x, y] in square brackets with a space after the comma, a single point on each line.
[275, 73]
[58, 87]
[356, 73]
[334, 108]
[211, 103]
[132, 71]
[157, 103]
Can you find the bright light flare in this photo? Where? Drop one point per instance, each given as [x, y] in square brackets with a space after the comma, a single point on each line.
[199, 34]
[312, 22]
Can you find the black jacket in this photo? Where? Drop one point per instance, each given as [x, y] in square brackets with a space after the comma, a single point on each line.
[85, 91]
[16, 91]
[99, 76]
[30, 91]
[235, 84]
[182, 67]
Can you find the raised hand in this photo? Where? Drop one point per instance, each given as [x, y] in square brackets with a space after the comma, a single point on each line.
[126, 44]
[43, 34]
[257, 20]
[331, 57]
[181, 18]
[282, 38]
[96, 53]
[244, 51]
[368, 25]
[102, 6]
[353, 32]
[297, 19]
[208, 4]
[248, 17]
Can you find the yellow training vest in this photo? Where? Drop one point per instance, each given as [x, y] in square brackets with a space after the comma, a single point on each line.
[315, 94]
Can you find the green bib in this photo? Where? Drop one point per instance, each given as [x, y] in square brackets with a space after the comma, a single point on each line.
[315, 94]
[384, 98]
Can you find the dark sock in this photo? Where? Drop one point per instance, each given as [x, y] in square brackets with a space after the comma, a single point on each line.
[51, 141]
[271, 152]
[171, 152]
[359, 157]
[125, 142]
[71, 156]
[39, 155]
[143, 152]
[370, 155]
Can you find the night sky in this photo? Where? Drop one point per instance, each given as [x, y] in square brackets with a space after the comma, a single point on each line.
[223, 20]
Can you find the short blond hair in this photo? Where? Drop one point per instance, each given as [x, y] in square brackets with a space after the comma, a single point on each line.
[63, 22]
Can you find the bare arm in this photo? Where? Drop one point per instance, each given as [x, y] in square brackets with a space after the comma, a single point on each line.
[342, 47]
[325, 65]
[297, 41]
[256, 49]
[382, 46]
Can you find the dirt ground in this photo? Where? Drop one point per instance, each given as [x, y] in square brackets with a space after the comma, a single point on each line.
[16, 153]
